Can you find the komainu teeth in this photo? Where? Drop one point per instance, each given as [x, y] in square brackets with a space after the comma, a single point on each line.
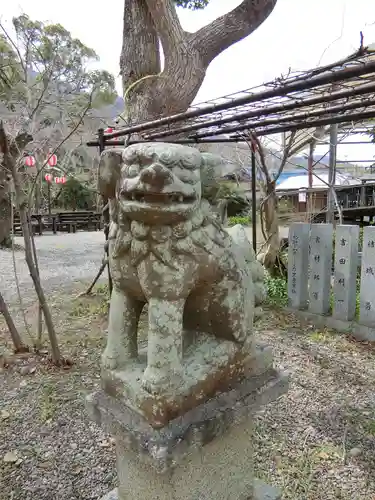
[180, 199]
[133, 196]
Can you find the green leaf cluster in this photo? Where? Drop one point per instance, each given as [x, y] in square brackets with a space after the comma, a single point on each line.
[75, 196]
[45, 63]
[192, 4]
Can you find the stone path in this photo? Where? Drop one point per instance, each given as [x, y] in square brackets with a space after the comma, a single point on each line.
[63, 260]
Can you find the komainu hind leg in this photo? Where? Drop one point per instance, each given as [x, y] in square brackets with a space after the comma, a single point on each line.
[232, 311]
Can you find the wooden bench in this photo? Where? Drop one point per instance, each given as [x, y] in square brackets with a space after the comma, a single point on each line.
[73, 221]
[50, 222]
[65, 222]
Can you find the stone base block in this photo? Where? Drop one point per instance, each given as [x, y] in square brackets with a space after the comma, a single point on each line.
[205, 454]
[262, 491]
[210, 367]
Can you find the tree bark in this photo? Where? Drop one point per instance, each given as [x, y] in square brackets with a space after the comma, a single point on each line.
[271, 257]
[19, 346]
[10, 162]
[5, 208]
[230, 28]
[140, 59]
[151, 93]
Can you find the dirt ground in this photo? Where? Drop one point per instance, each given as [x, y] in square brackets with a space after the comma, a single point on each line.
[316, 443]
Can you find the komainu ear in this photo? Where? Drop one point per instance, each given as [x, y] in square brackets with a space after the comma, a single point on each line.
[109, 172]
[211, 172]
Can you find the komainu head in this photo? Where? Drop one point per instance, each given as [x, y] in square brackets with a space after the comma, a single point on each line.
[156, 183]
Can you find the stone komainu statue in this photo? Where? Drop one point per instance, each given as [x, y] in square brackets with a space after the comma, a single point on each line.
[168, 249]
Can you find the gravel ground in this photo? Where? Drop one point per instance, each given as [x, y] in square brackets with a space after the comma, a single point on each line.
[316, 443]
[63, 259]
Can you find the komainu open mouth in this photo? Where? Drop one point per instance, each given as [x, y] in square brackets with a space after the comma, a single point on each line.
[158, 198]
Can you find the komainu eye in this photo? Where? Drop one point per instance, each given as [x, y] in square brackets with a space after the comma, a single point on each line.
[132, 171]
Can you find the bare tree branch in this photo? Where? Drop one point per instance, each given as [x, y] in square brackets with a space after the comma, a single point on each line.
[19, 346]
[10, 40]
[226, 30]
[259, 148]
[10, 161]
[286, 154]
[72, 132]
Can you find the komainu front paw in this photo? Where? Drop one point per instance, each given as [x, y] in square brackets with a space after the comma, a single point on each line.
[113, 359]
[154, 380]
[161, 380]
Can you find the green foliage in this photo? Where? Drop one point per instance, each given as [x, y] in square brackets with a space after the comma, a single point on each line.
[75, 196]
[10, 71]
[45, 59]
[277, 291]
[244, 220]
[192, 4]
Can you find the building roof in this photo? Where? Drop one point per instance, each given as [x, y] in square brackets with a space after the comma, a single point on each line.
[320, 180]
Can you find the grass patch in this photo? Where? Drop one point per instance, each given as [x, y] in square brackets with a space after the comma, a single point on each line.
[244, 220]
[318, 336]
[93, 306]
[277, 291]
[370, 427]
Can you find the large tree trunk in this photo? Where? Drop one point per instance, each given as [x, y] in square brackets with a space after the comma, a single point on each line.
[150, 92]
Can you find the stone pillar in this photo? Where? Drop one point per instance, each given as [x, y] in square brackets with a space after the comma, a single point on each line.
[367, 294]
[298, 261]
[345, 274]
[205, 453]
[321, 244]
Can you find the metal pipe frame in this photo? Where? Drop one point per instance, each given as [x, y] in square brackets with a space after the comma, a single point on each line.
[340, 108]
[354, 117]
[277, 108]
[326, 78]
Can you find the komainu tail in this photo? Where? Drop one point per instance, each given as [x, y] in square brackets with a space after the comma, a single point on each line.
[239, 236]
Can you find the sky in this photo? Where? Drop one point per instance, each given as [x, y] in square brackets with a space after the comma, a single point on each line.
[299, 34]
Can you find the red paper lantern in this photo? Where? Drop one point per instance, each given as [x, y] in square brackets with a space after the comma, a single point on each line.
[29, 161]
[52, 161]
[48, 177]
[60, 180]
[109, 130]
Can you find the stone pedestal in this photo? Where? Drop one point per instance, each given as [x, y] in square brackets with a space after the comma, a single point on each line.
[204, 454]
[261, 492]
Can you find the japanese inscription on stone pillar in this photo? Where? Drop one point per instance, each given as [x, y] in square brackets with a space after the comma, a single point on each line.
[345, 274]
[298, 260]
[367, 295]
[320, 268]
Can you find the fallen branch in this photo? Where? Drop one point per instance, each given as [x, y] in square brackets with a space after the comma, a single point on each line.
[100, 272]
